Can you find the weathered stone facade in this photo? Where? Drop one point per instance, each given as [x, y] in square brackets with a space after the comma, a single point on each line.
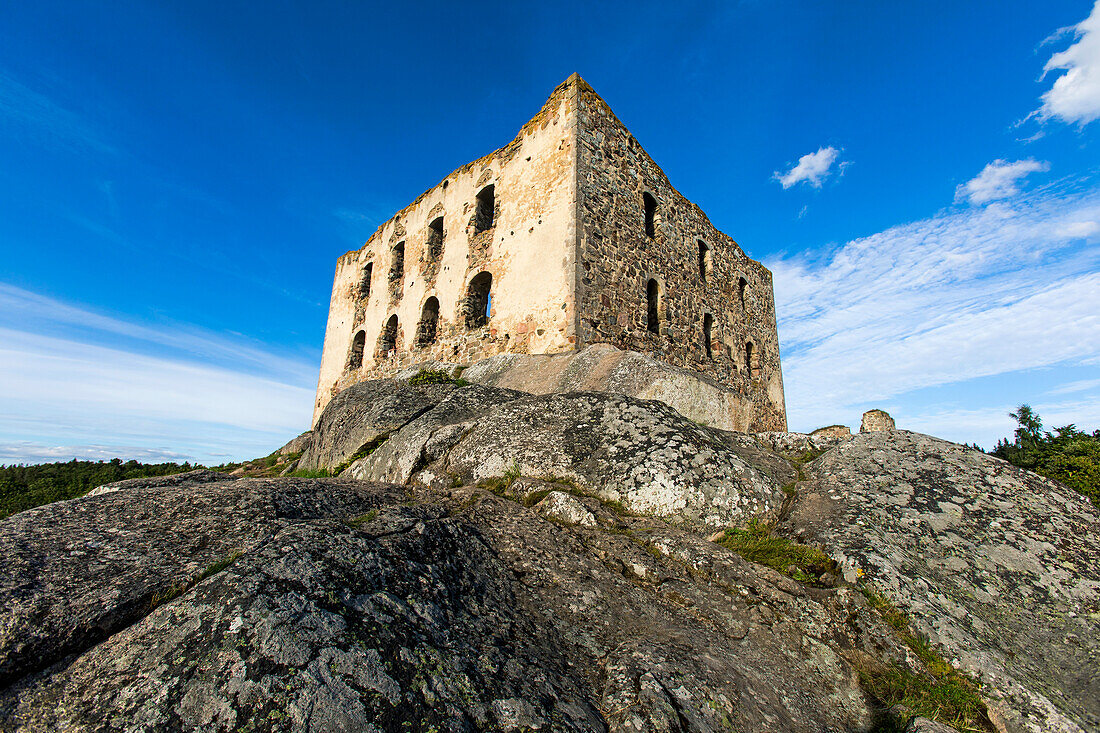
[568, 236]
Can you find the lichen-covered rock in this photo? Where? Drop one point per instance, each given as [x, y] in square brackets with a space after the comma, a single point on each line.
[799, 442]
[349, 607]
[363, 414]
[424, 439]
[638, 452]
[198, 476]
[296, 445]
[999, 567]
[561, 507]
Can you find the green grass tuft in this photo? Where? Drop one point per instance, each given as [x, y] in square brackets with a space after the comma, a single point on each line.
[943, 693]
[756, 543]
[363, 519]
[435, 376]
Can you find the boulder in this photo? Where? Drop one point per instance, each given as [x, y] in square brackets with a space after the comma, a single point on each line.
[604, 368]
[423, 439]
[641, 453]
[561, 507]
[364, 414]
[998, 567]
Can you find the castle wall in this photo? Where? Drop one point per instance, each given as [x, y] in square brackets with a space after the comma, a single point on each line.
[529, 251]
[617, 259]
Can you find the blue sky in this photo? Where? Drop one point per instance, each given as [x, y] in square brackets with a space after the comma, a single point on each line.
[176, 183]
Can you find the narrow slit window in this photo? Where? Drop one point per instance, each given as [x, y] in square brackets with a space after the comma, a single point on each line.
[649, 204]
[429, 321]
[749, 360]
[708, 326]
[397, 268]
[388, 340]
[742, 285]
[704, 259]
[486, 206]
[435, 239]
[479, 300]
[364, 283]
[652, 291]
[355, 356]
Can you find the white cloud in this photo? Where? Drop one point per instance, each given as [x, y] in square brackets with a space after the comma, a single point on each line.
[1079, 230]
[1075, 95]
[940, 301]
[998, 180]
[205, 395]
[812, 168]
[28, 452]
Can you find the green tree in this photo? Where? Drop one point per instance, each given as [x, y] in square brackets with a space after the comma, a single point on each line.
[1067, 455]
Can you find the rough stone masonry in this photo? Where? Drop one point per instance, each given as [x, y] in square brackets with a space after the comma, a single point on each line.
[568, 236]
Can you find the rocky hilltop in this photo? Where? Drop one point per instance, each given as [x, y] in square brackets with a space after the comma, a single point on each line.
[493, 559]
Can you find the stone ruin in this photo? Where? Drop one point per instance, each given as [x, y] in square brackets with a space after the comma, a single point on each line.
[875, 421]
[568, 236]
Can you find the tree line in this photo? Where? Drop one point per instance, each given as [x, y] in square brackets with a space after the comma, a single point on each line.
[23, 487]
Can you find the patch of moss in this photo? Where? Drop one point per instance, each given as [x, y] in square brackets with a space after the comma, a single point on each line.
[757, 543]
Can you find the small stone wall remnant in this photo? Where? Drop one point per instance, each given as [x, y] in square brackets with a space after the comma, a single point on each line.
[875, 421]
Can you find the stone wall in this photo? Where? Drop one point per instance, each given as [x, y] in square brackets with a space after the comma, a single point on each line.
[719, 286]
[529, 252]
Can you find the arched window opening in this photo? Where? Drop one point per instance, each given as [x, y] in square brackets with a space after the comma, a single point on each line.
[429, 320]
[397, 268]
[708, 326]
[435, 239]
[751, 367]
[364, 283]
[742, 284]
[387, 342]
[355, 357]
[479, 300]
[650, 205]
[486, 205]
[704, 259]
[652, 290]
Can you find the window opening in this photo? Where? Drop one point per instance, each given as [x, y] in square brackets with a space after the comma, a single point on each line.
[429, 320]
[355, 358]
[652, 291]
[486, 205]
[650, 205]
[479, 300]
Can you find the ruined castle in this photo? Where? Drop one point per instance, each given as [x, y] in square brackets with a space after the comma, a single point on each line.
[568, 236]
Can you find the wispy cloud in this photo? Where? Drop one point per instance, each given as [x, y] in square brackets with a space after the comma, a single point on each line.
[28, 311]
[812, 168]
[998, 180]
[173, 392]
[37, 116]
[939, 301]
[1075, 94]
